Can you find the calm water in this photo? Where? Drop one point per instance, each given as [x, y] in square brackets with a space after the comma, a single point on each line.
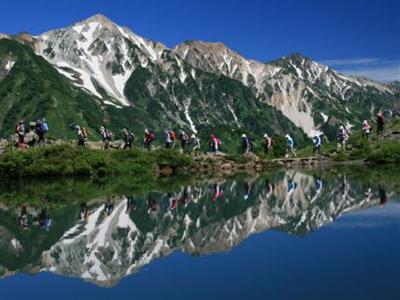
[284, 235]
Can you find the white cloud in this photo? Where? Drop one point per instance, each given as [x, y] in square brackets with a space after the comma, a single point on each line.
[374, 68]
[384, 74]
[351, 61]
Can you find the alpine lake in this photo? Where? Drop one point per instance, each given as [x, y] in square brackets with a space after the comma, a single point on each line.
[286, 234]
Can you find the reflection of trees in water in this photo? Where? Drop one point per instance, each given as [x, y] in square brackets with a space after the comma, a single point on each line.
[104, 240]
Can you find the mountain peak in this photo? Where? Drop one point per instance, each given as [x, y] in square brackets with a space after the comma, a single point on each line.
[298, 58]
[98, 18]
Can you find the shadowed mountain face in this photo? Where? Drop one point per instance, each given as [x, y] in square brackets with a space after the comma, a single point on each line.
[104, 237]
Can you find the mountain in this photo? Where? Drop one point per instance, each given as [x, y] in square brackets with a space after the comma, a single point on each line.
[110, 246]
[129, 81]
[311, 95]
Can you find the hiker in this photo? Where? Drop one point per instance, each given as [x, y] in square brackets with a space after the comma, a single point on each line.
[85, 134]
[379, 123]
[20, 131]
[31, 138]
[317, 141]
[195, 141]
[172, 135]
[106, 136]
[149, 137]
[128, 138]
[246, 144]
[184, 139]
[167, 138]
[81, 135]
[290, 146]
[268, 143]
[41, 130]
[214, 144]
[365, 129]
[342, 138]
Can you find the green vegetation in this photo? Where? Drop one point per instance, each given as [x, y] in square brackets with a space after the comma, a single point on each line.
[34, 89]
[67, 160]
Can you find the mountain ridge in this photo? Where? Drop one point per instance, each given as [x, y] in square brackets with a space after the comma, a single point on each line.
[120, 69]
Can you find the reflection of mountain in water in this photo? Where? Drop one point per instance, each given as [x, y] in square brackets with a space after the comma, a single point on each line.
[119, 236]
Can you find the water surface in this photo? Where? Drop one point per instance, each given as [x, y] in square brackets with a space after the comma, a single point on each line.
[283, 235]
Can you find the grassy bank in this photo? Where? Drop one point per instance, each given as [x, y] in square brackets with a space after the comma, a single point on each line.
[68, 160]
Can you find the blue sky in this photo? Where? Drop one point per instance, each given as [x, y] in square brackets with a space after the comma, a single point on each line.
[353, 36]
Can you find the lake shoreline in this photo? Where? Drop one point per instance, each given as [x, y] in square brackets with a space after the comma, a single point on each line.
[67, 160]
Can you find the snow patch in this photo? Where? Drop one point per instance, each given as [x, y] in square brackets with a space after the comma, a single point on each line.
[112, 104]
[187, 116]
[16, 244]
[234, 115]
[9, 65]
[324, 117]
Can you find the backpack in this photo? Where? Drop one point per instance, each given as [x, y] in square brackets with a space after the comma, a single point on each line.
[340, 135]
[150, 136]
[44, 127]
[131, 136]
[19, 128]
[269, 142]
[109, 134]
[84, 132]
[172, 135]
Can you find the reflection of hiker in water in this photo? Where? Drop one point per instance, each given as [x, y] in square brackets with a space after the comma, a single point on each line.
[217, 192]
[318, 184]
[292, 185]
[247, 190]
[270, 189]
[318, 188]
[130, 204]
[152, 205]
[368, 195]
[108, 206]
[84, 212]
[382, 196]
[23, 217]
[43, 219]
[172, 201]
[344, 187]
[185, 199]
